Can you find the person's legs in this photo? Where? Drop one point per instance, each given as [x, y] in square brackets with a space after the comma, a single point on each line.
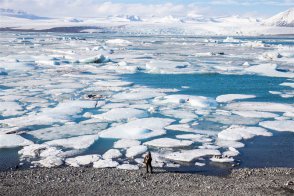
[151, 169]
[147, 168]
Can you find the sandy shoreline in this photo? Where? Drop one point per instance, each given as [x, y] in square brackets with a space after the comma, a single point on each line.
[90, 181]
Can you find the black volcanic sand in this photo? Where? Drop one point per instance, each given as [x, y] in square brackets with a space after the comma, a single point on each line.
[91, 181]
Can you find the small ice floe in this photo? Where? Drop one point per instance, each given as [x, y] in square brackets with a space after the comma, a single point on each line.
[237, 133]
[279, 125]
[79, 142]
[82, 160]
[12, 141]
[136, 95]
[10, 108]
[190, 136]
[112, 154]
[108, 163]
[177, 113]
[190, 155]
[255, 44]
[268, 70]
[113, 83]
[135, 151]
[289, 114]
[128, 167]
[53, 133]
[229, 143]
[196, 101]
[138, 129]
[232, 97]
[118, 114]
[289, 84]
[50, 161]
[221, 159]
[246, 64]
[119, 42]
[168, 67]
[255, 114]
[96, 60]
[199, 164]
[168, 143]
[231, 40]
[38, 150]
[232, 152]
[260, 106]
[126, 143]
[233, 119]
[180, 127]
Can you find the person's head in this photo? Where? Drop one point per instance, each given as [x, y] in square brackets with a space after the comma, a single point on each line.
[149, 153]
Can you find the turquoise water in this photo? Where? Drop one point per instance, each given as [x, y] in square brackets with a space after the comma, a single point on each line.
[213, 85]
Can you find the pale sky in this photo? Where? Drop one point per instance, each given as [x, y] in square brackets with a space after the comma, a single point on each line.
[98, 8]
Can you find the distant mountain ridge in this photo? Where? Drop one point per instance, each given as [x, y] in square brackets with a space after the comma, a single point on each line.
[20, 14]
[283, 19]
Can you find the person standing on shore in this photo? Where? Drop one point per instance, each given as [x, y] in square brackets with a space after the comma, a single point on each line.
[148, 161]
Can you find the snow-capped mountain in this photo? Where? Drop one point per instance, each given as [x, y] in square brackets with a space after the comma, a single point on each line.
[19, 14]
[283, 19]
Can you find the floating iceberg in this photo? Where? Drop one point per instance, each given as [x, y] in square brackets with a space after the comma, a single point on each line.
[112, 154]
[282, 125]
[138, 129]
[126, 143]
[168, 143]
[12, 141]
[79, 142]
[237, 133]
[190, 155]
[82, 160]
[135, 151]
[118, 114]
[232, 97]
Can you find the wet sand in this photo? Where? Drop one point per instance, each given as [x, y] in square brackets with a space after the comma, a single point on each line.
[91, 181]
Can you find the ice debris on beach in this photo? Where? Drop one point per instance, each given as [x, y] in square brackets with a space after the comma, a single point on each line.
[108, 163]
[82, 160]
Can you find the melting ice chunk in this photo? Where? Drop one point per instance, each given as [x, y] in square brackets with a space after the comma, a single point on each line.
[12, 140]
[282, 125]
[237, 133]
[138, 129]
[190, 155]
[232, 97]
[168, 143]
